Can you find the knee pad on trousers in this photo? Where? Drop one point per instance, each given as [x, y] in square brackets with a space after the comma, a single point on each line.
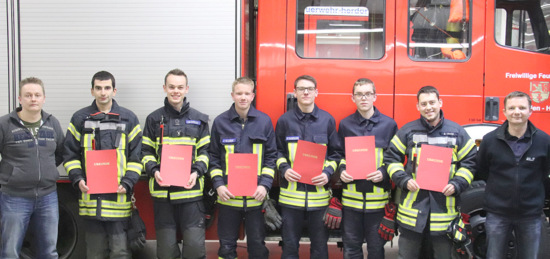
[193, 243]
[167, 245]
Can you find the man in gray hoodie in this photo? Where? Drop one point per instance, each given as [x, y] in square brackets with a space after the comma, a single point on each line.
[31, 146]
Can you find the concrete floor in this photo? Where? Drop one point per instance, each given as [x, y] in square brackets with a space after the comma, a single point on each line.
[275, 250]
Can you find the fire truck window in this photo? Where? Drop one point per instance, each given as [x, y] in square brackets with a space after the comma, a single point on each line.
[439, 30]
[523, 25]
[340, 29]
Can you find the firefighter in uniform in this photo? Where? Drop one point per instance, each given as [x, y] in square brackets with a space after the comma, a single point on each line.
[423, 211]
[177, 124]
[364, 199]
[100, 126]
[304, 202]
[242, 129]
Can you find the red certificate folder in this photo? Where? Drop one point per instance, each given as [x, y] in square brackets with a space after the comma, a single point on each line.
[242, 174]
[175, 164]
[101, 171]
[434, 167]
[309, 160]
[360, 156]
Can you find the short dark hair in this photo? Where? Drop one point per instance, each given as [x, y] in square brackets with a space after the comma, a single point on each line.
[103, 76]
[517, 94]
[305, 77]
[242, 80]
[176, 72]
[427, 90]
[31, 80]
[363, 81]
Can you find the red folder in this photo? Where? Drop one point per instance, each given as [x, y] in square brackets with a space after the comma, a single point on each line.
[101, 171]
[434, 167]
[309, 160]
[360, 156]
[175, 164]
[242, 174]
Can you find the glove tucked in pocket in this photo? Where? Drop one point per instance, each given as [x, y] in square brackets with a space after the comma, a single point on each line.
[333, 214]
[272, 218]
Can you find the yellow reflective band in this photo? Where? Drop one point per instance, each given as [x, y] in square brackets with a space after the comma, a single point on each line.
[408, 211]
[398, 144]
[379, 157]
[442, 217]
[406, 220]
[203, 141]
[86, 212]
[342, 161]
[121, 163]
[185, 194]
[292, 152]
[87, 143]
[204, 159]
[178, 141]
[395, 167]
[295, 194]
[134, 133]
[229, 149]
[87, 203]
[466, 174]
[115, 213]
[280, 161]
[318, 203]
[147, 141]
[437, 226]
[115, 204]
[353, 195]
[292, 202]
[74, 132]
[466, 149]
[268, 171]
[216, 172]
[73, 164]
[257, 148]
[148, 158]
[409, 199]
[318, 195]
[135, 167]
[331, 164]
[156, 193]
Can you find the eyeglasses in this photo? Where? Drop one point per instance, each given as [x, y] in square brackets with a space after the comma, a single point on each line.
[303, 89]
[362, 95]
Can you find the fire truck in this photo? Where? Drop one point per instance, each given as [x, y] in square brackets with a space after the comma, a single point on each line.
[474, 52]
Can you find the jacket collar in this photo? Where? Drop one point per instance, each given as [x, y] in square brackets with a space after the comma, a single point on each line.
[14, 116]
[184, 109]
[501, 131]
[375, 118]
[430, 127]
[301, 115]
[233, 115]
[114, 107]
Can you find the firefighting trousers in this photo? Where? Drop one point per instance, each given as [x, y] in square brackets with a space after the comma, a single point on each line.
[358, 226]
[229, 221]
[189, 219]
[106, 239]
[293, 223]
[410, 244]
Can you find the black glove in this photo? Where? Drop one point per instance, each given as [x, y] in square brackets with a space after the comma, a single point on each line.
[333, 214]
[387, 225]
[272, 218]
[459, 234]
[209, 200]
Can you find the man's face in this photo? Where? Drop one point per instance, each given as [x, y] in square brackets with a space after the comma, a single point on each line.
[242, 95]
[32, 97]
[429, 106]
[176, 88]
[364, 97]
[305, 92]
[517, 110]
[103, 92]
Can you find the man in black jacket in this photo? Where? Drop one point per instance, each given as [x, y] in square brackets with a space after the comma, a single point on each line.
[31, 146]
[514, 161]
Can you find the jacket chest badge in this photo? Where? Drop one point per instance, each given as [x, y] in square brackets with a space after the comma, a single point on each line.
[530, 158]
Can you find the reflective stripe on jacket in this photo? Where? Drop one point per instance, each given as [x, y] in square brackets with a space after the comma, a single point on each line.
[121, 133]
[416, 207]
[318, 127]
[363, 195]
[230, 134]
[185, 127]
